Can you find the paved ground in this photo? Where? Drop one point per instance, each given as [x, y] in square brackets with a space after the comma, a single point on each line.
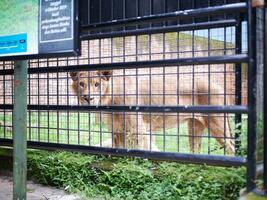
[34, 191]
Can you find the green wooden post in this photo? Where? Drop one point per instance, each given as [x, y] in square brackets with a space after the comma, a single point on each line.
[20, 131]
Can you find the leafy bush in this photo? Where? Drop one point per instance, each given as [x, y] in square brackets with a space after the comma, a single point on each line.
[133, 178]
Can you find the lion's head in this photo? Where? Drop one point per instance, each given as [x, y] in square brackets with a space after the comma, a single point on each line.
[91, 87]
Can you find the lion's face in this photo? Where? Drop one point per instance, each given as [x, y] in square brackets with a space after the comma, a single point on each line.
[91, 87]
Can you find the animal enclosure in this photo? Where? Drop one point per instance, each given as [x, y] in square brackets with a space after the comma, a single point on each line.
[169, 80]
[149, 86]
[174, 80]
[145, 87]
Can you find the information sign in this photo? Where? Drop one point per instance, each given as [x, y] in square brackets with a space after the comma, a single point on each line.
[38, 28]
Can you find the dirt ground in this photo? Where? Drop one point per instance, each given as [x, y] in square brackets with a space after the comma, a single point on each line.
[34, 191]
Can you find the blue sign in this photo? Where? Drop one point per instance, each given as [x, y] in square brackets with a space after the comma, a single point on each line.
[13, 44]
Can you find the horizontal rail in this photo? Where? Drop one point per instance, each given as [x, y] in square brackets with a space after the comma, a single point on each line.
[185, 14]
[239, 58]
[225, 161]
[153, 30]
[153, 109]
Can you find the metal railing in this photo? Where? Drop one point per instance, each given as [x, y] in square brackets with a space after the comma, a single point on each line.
[52, 105]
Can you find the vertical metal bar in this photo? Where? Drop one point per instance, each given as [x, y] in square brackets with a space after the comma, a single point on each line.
[29, 112]
[150, 82]
[193, 85]
[100, 94]
[164, 87]
[20, 130]
[265, 107]
[177, 82]
[124, 54]
[209, 84]
[209, 90]
[123, 114]
[150, 92]
[78, 120]
[112, 94]
[225, 120]
[89, 93]
[48, 102]
[136, 87]
[238, 85]
[38, 100]
[136, 78]
[251, 155]
[68, 103]
[58, 117]
[124, 97]
[112, 90]
[164, 94]
[89, 11]
[4, 100]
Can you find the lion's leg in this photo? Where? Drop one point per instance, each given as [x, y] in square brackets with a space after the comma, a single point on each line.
[195, 130]
[220, 129]
[138, 134]
[118, 130]
[219, 124]
[130, 131]
[143, 134]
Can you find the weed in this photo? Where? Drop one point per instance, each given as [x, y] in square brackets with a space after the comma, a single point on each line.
[132, 178]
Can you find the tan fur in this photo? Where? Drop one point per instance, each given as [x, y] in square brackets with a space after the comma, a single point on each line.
[135, 131]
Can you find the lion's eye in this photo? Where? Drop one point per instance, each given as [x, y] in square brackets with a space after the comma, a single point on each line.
[82, 84]
[97, 84]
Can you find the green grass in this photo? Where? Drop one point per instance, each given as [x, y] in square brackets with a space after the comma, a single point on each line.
[18, 16]
[82, 128]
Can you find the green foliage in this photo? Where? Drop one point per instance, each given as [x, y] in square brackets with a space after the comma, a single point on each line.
[120, 178]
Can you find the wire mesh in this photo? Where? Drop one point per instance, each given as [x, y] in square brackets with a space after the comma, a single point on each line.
[160, 86]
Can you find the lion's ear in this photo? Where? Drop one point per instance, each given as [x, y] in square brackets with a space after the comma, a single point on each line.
[106, 75]
[74, 76]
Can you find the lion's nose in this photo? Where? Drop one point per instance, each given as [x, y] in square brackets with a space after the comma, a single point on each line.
[87, 98]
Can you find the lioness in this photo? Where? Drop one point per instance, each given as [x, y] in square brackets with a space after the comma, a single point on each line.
[135, 131]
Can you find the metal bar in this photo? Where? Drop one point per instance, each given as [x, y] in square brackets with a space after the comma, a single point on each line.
[4, 100]
[224, 86]
[6, 72]
[240, 58]
[209, 86]
[265, 106]
[177, 28]
[226, 161]
[185, 14]
[252, 118]
[238, 85]
[167, 109]
[20, 130]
